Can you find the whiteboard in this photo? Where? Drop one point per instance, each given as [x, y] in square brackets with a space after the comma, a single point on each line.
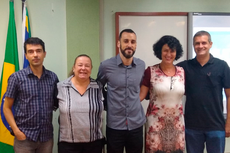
[151, 27]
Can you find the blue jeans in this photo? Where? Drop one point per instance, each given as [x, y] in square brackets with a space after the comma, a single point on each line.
[195, 140]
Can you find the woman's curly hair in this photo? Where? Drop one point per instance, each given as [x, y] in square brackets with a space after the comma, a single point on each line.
[172, 42]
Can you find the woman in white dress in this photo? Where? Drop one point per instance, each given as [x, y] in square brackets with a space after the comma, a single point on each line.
[165, 84]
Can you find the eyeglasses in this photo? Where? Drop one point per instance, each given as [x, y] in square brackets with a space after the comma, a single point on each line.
[172, 83]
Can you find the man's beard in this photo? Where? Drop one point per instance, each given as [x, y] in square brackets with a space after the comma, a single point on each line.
[127, 55]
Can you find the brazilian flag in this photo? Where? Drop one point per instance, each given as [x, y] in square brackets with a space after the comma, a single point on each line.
[10, 65]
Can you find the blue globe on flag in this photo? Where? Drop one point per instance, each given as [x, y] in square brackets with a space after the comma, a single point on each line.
[2, 114]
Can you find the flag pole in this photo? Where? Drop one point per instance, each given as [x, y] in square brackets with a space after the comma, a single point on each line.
[25, 30]
[23, 2]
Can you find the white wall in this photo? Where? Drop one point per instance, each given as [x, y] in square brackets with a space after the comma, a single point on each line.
[110, 7]
[48, 22]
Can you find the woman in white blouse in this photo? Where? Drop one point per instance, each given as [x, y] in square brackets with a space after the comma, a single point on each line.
[81, 106]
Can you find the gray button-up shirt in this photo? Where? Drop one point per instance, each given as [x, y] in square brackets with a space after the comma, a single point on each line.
[124, 111]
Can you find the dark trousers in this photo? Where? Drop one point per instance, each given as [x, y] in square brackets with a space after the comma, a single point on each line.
[90, 147]
[131, 140]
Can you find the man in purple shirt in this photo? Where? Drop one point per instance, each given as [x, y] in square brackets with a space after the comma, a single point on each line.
[31, 92]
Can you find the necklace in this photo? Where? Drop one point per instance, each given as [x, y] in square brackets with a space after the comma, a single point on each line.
[172, 70]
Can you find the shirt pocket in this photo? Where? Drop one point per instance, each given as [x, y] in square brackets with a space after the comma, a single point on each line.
[47, 91]
[134, 85]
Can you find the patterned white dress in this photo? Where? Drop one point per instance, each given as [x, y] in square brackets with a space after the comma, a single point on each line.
[165, 130]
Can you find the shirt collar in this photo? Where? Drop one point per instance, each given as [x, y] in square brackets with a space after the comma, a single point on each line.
[68, 82]
[210, 61]
[30, 72]
[119, 61]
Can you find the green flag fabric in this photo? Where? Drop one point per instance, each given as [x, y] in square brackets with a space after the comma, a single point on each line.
[10, 65]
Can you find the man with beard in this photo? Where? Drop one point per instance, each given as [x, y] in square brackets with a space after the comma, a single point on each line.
[125, 115]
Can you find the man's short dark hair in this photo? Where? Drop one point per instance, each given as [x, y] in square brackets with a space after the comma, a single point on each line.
[172, 42]
[126, 30]
[202, 33]
[34, 41]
